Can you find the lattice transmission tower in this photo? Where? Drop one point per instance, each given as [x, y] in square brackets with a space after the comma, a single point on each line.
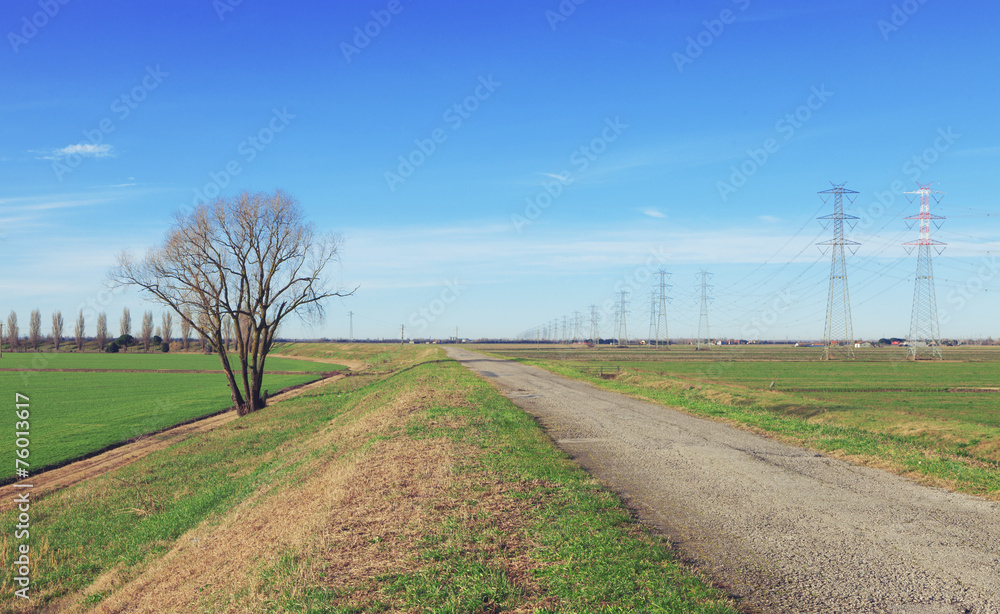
[925, 337]
[651, 335]
[661, 315]
[595, 320]
[838, 335]
[704, 336]
[623, 318]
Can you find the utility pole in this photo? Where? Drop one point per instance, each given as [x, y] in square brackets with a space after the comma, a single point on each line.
[622, 317]
[924, 317]
[704, 335]
[661, 317]
[456, 334]
[838, 336]
[350, 336]
[402, 333]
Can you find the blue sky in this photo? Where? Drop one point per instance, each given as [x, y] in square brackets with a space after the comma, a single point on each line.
[495, 166]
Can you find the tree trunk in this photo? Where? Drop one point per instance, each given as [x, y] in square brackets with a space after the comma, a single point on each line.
[238, 400]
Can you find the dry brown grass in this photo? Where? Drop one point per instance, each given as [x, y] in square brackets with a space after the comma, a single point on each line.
[351, 515]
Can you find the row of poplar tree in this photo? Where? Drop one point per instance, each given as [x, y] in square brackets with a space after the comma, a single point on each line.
[149, 337]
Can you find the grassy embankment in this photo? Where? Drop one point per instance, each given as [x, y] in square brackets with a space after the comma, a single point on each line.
[917, 419]
[412, 487]
[74, 414]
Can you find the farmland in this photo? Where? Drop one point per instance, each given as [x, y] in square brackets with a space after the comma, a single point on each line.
[138, 361]
[936, 421]
[412, 486]
[123, 397]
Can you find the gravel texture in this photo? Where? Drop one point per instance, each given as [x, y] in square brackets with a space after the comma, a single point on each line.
[781, 528]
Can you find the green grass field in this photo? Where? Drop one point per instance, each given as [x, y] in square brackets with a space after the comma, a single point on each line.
[917, 418]
[74, 414]
[138, 360]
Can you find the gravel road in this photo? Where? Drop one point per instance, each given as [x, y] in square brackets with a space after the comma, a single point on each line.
[781, 528]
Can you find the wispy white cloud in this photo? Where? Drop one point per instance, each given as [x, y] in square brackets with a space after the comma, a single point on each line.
[770, 219]
[977, 152]
[653, 212]
[113, 187]
[46, 205]
[86, 150]
[564, 178]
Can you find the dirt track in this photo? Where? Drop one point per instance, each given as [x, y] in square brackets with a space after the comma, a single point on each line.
[781, 528]
[73, 473]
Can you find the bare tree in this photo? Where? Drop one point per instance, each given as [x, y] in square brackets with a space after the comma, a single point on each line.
[252, 256]
[79, 331]
[102, 331]
[126, 327]
[57, 328]
[186, 327]
[146, 332]
[12, 332]
[203, 324]
[35, 329]
[227, 333]
[167, 327]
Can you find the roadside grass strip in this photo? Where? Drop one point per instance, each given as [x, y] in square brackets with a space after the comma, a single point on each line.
[415, 488]
[936, 454]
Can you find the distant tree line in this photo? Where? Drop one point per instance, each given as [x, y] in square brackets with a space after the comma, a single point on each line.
[151, 338]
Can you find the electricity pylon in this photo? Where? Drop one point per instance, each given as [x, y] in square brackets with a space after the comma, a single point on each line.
[595, 332]
[838, 335]
[350, 337]
[704, 338]
[924, 332]
[652, 317]
[622, 318]
[661, 316]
